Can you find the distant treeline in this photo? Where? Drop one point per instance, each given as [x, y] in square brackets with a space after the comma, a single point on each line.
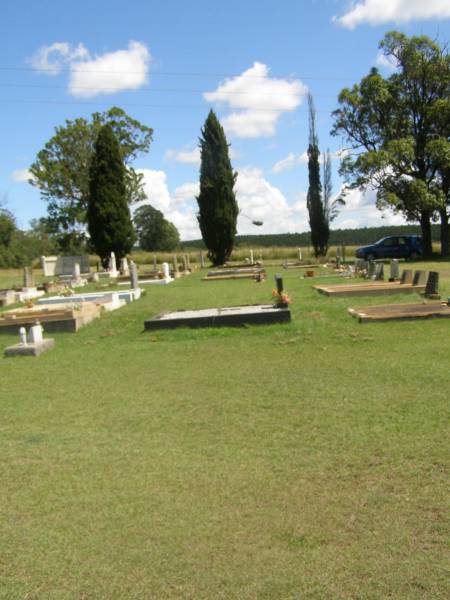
[350, 237]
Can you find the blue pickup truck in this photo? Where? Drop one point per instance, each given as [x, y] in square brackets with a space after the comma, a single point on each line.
[395, 246]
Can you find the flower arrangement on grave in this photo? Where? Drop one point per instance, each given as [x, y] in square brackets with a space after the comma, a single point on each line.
[29, 303]
[281, 298]
[66, 292]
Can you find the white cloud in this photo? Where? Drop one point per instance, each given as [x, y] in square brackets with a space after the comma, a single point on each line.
[21, 175]
[290, 162]
[360, 211]
[180, 207]
[191, 157]
[259, 200]
[386, 62]
[110, 72]
[104, 74]
[259, 100]
[50, 60]
[376, 12]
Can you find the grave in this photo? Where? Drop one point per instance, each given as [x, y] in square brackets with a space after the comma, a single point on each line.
[373, 288]
[63, 317]
[31, 344]
[63, 265]
[257, 314]
[237, 274]
[401, 312]
[109, 300]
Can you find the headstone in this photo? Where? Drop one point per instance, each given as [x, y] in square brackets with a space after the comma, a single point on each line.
[23, 336]
[63, 265]
[338, 261]
[379, 272]
[76, 273]
[134, 276]
[31, 345]
[124, 269]
[407, 277]
[420, 278]
[395, 270]
[185, 263]
[112, 266]
[28, 277]
[299, 254]
[432, 287]
[202, 260]
[35, 334]
[279, 283]
[343, 252]
[175, 266]
[371, 269]
[251, 257]
[95, 277]
[155, 263]
[165, 270]
[188, 262]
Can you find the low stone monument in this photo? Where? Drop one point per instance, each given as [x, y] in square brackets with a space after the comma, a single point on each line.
[379, 272]
[407, 277]
[32, 344]
[420, 278]
[371, 269]
[166, 271]
[432, 286]
[77, 280]
[176, 271]
[134, 276]
[202, 260]
[395, 270]
[251, 257]
[28, 279]
[112, 266]
[124, 269]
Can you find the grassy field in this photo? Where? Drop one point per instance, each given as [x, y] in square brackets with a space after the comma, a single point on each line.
[301, 461]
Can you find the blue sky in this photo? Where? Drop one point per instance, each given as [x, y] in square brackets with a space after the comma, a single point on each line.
[167, 63]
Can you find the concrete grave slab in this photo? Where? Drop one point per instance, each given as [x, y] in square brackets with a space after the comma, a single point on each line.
[258, 314]
[63, 317]
[401, 312]
[375, 288]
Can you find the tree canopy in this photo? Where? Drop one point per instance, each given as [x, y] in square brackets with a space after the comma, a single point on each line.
[218, 209]
[153, 231]
[398, 132]
[61, 169]
[108, 215]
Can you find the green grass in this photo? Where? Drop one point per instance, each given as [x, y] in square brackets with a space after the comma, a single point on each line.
[301, 461]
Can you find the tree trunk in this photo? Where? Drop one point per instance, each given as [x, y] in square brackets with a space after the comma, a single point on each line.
[425, 225]
[445, 233]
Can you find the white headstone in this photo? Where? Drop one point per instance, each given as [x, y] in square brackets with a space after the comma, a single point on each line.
[76, 270]
[112, 267]
[23, 336]
[134, 276]
[299, 254]
[95, 277]
[251, 257]
[35, 334]
[165, 270]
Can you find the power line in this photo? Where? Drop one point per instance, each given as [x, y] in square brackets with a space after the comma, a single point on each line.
[141, 105]
[180, 73]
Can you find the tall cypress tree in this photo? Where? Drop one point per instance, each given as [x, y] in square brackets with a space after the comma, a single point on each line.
[108, 216]
[218, 209]
[317, 219]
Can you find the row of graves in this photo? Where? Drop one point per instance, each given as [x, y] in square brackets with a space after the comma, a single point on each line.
[425, 283]
[70, 308]
[250, 269]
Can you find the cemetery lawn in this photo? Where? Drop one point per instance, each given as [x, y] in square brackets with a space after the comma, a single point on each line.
[299, 461]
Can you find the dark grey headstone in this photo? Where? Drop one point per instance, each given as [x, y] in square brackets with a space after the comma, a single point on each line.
[420, 278]
[407, 277]
[432, 287]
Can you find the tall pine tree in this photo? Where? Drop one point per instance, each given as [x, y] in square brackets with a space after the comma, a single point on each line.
[218, 209]
[318, 223]
[108, 216]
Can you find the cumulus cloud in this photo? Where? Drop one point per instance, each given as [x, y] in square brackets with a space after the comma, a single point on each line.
[360, 211]
[50, 60]
[386, 62]
[180, 207]
[376, 12]
[21, 175]
[191, 157]
[258, 101]
[90, 76]
[290, 162]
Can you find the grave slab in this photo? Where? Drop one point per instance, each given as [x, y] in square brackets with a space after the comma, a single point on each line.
[376, 288]
[401, 312]
[63, 317]
[258, 314]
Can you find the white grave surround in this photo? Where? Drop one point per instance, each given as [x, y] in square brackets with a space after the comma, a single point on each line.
[63, 265]
[28, 294]
[118, 298]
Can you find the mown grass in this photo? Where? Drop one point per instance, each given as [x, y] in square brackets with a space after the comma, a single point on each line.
[307, 460]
